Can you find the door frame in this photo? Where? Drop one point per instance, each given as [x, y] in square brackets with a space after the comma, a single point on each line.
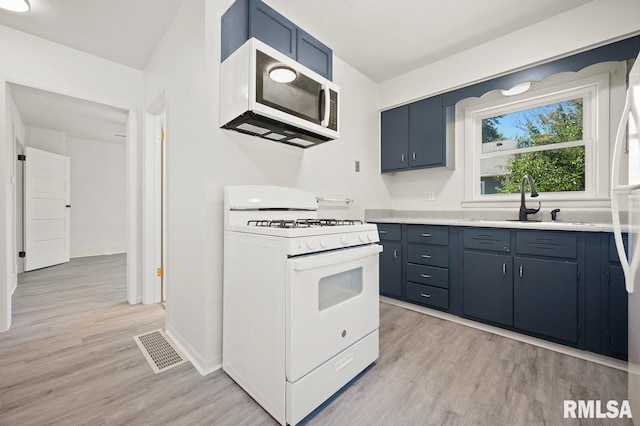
[8, 252]
[153, 200]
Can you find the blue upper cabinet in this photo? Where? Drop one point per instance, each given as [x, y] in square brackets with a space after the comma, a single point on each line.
[426, 133]
[269, 26]
[395, 139]
[412, 136]
[313, 54]
[252, 18]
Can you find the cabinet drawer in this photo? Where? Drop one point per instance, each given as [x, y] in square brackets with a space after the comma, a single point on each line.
[389, 231]
[487, 239]
[427, 234]
[428, 255]
[554, 244]
[437, 277]
[428, 295]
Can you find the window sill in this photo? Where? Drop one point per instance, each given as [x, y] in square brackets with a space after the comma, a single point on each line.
[596, 203]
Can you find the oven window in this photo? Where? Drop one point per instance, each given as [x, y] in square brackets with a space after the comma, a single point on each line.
[338, 288]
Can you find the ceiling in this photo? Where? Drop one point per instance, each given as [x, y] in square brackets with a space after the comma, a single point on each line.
[379, 38]
[123, 31]
[384, 39]
[76, 117]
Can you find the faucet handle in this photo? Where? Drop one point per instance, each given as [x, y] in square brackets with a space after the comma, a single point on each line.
[554, 214]
[534, 211]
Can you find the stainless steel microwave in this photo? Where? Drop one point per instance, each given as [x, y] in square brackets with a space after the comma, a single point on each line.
[267, 94]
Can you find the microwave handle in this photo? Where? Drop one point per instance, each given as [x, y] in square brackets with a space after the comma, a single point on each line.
[327, 106]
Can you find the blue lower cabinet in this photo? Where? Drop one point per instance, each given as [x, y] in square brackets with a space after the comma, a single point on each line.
[565, 287]
[428, 295]
[391, 269]
[616, 320]
[545, 298]
[487, 287]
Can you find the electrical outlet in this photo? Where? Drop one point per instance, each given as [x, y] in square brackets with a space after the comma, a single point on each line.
[357, 166]
[430, 195]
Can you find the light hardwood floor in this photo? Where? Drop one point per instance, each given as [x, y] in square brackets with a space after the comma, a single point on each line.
[70, 359]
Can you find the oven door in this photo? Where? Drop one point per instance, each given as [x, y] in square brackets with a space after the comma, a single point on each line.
[332, 302]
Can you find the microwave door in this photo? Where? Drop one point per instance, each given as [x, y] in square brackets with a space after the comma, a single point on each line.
[301, 97]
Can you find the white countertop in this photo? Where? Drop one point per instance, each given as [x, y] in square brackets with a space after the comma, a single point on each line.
[488, 223]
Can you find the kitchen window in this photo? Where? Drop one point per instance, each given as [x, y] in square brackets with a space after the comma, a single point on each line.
[557, 131]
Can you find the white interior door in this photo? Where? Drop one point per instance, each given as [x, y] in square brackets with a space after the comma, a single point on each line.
[47, 209]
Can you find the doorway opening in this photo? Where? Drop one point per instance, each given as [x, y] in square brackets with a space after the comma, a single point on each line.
[46, 127]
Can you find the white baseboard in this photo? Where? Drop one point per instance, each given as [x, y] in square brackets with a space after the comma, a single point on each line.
[203, 366]
[567, 350]
[99, 251]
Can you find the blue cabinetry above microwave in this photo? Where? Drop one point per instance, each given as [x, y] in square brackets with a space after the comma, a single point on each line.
[252, 18]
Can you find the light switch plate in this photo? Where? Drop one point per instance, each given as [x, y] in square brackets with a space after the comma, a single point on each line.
[357, 166]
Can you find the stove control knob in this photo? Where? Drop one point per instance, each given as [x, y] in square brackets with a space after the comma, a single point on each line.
[324, 242]
[344, 240]
[311, 243]
[363, 238]
[372, 236]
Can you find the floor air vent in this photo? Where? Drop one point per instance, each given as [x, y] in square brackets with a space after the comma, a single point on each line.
[159, 351]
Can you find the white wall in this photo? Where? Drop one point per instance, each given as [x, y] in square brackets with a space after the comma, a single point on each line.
[98, 197]
[589, 25]
[202, 159]
[46, 140]
[35, 62]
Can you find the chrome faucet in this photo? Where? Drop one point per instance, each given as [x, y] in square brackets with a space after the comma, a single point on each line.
[524, 211]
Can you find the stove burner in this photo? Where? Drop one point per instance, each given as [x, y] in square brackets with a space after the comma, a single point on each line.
[303, 223]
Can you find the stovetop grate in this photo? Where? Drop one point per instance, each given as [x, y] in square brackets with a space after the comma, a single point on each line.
[303, 223]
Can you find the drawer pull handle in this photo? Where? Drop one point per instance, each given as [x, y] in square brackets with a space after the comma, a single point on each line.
[426, 235]
[343, 363]
[425, 276]
[426, 256]
[382, 232]
[425, 295]
[395, 254]
[504, 269]
[521, 271]
[413, 156]
[402, 158]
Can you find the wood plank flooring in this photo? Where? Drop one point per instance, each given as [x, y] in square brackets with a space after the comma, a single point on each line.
[70, 359]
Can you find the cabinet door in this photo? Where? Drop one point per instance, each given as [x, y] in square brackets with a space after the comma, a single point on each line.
[391, 270]
[426, 133]
[314, 55]
[487, 286]
[545, 297]
[618, 312]
[394, 139]
[272, 28]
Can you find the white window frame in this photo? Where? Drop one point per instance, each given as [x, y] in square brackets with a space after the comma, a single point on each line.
[591, 84]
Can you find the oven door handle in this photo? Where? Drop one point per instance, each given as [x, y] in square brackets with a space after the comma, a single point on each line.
[334, 257]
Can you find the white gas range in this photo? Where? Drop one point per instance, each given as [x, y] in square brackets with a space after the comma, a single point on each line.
[300, 313]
